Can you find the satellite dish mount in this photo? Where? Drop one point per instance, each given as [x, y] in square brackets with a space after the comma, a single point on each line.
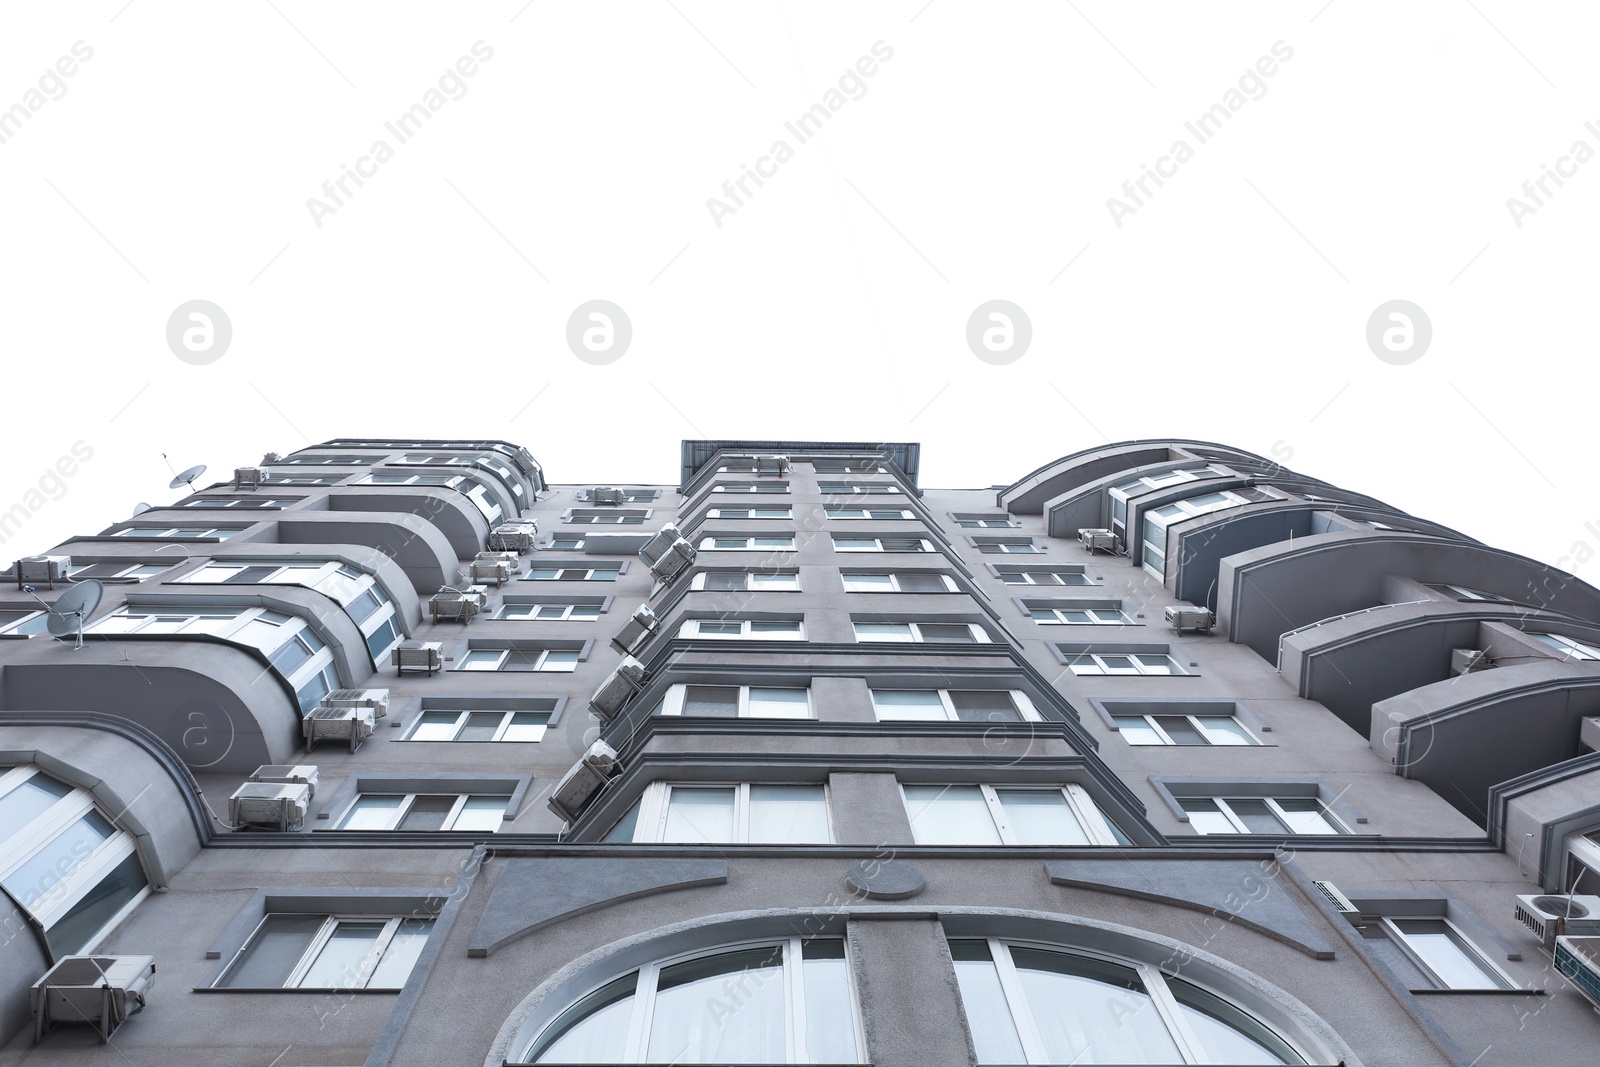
[71, 609]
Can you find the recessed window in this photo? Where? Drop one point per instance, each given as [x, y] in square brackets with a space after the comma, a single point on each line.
[175, 533]
[898, 582]
[1089, 661]
[882, 544]
[964, 632]
[24, 622]
[747, 513]
[295, 951]
[241, 503]
[356, 591]
[1174, 728]
[120, 570]
[607, 517]
[326, 461]
[736, 702]
[573, 574]
[425, 811]
[845, 466]
[468, 724]
[841, 488]
[1105, 613]
[747, 629]
[795, 1005]
[985, 522]
[1461, 592]
[1011, 546]
[1156, 520]
[1260, 815]
[953, 705]
[751, 487]
[868, 513]
[720, 543]
[1567, 647]
[550, 611]
[670, 813]
[1033, 1004]
[1036, 576]
[1441, 952]
[520, 658]
[753, 581]
[961, 814]
[565, 543]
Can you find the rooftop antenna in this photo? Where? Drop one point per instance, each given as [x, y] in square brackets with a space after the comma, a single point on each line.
[71, 608]
[186, 477]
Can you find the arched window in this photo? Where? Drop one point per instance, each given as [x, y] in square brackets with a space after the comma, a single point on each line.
[1030, 1003]
[787, 1000]
[63, 859]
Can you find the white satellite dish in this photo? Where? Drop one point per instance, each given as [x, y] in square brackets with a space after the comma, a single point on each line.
[72, 609]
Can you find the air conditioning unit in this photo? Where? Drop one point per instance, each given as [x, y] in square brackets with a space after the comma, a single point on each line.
[583, 781]
[605, 494]
[248, 478]
[512, 561]
[1183, 617]
[104, 991]
[493, 571]
[1467, 660]
[524, 461]
[270, 458]
[659, 543]
[1579, 959]
[516, 537]
[47, 569]
[772, 464]
[1552, 915]
[452, 603]
[288, 774]
[418, 656]
[350, 724]
[280, 805]
[376, 699]
[672, 562]
[1098, 540]
[619, 685]
[633, 633]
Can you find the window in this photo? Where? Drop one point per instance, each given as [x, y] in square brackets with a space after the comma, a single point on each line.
[1567, 647]
[1088, 660]
[881, 544]
[953, 705]
[295, 652]
[326, 461]
[1260, 815]
[1175, 727]
[1005, 815]
[1156, 520]
[754, 581]
[425, 811]
[847, 466]
[607, 517]
[1119, 494]
[63, 860]
[898, 582]
[750, 487]
[286, 478]
[795, 1006]
[736, 701]
[747, 513]
[241, 503]
[356, 591]
[966, 632]
[153, 533]
[1034, 1004]
[721, 543]
[838, 488]
[1438, 949]
[1052, 576]
[20, 622]
[507, 656]
[121, 569]
[1077, 613]
[1461, 592]
[985, 522]
[566, 543]
[607, 573]
[298, 951]
[720, 814]
[991, 546]
[868, 513]
[467, 724]
[748, 629]
[550, 611]
[475, 491]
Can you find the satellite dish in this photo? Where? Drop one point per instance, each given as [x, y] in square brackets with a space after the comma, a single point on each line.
[140, 508]
[187, 477]
[71, 608]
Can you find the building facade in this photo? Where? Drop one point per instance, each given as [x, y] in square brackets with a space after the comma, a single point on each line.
[392, 753]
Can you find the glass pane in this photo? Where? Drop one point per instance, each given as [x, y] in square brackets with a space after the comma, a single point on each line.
[774, 542]
[58, 859]
[724, 580]
[273, 952]
[1305, 815]
[984, 705]
[401, 955]
[950, 815]
[346, 958]
[1181, 730]
[1041, 817]
[788, 814]
[778, 703]
[290, 657]
[623, 830]
[1224, 730]
[830, 1015]
[483, 814]
[594, 1030]
[1256, 815]
[1206, 816]
[775, 629]
[372, 811]
[71, 932]
[1136, 730]
[480, 726]
[922, 583]
[527, 726]
[709, 627]
[947, 631]
[1090, 1011]
[428, 813]
[382, 639]
[560, 660]
[482, 659]
[994, 1033]
[436, 726]
[882, 631]
[27, 802]
[1228, 1034]
[695, 1021]
[773, 581]
[1156, 664]
[361, 608]
[893, 705]
[718, 701]
[1445, 955]
[696, 815]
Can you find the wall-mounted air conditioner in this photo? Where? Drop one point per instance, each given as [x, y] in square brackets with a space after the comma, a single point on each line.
[452, 603]
[248, 478]
[103, 991]
[605, 494]
[1579, 959]
[659, 543]
[492, 571]
[772, 464]
[347, 724]
[619, 685]
[524, 461]
[512, 561]
[672, 562]
[1551, 915]
[516, 537]
[641, 626]
[418, 656]
[376, 699]
[47, 569]
[1467, 660]
[288, 774]
[279, 805]
[1183, 617]
[1098, 540]
[583, 781]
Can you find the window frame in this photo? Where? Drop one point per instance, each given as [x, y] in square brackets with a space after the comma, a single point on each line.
[1008, 572]
[535, 606]
[408, 801]
[1241, 829]
[950, 585]
[655, 805]
[601, 573]
[318, 943]
[1026, 711]
[1497, 978]
[1034, 610]
[1165, 739]
[876, 544]
[463, 716]
[747, 630]
[701, 578]
[750, 514]
[541, 662]
[840, 513]
[676, 695]
[1091, 821]
[707, 543]
[1096, 667]
[979, 634]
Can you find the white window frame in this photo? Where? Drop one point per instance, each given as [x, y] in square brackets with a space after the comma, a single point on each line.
[751, 513]
[747, 632]
[1099, 615]
[409, 799]
[1496, 977]
[1024, 704]
[876, 544]
[564, 542]
[980, 636]
[590, 574]
[319, 941]
[1242, 828]
[709, 543]
[993, 522]
[530, 612]
[1152, 520]
[152, 533]
[1093, 665]
[541, 658]
[655, 804]
[1009, 548]
[606, 517]
[791, 584]
[894, 582]
[770, 488]
[1025, 577]
[1082, 806]
[1196, 720]
[244, 503]
[507, 718]
[853, 488]
[835, 467]
[672, 700]
[141, 571]
[29, 618]
[878, 514]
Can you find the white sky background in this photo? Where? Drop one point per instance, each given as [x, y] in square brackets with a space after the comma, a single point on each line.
[1232, 306]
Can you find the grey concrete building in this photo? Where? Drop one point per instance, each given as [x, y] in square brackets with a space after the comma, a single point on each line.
[1160, 754]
